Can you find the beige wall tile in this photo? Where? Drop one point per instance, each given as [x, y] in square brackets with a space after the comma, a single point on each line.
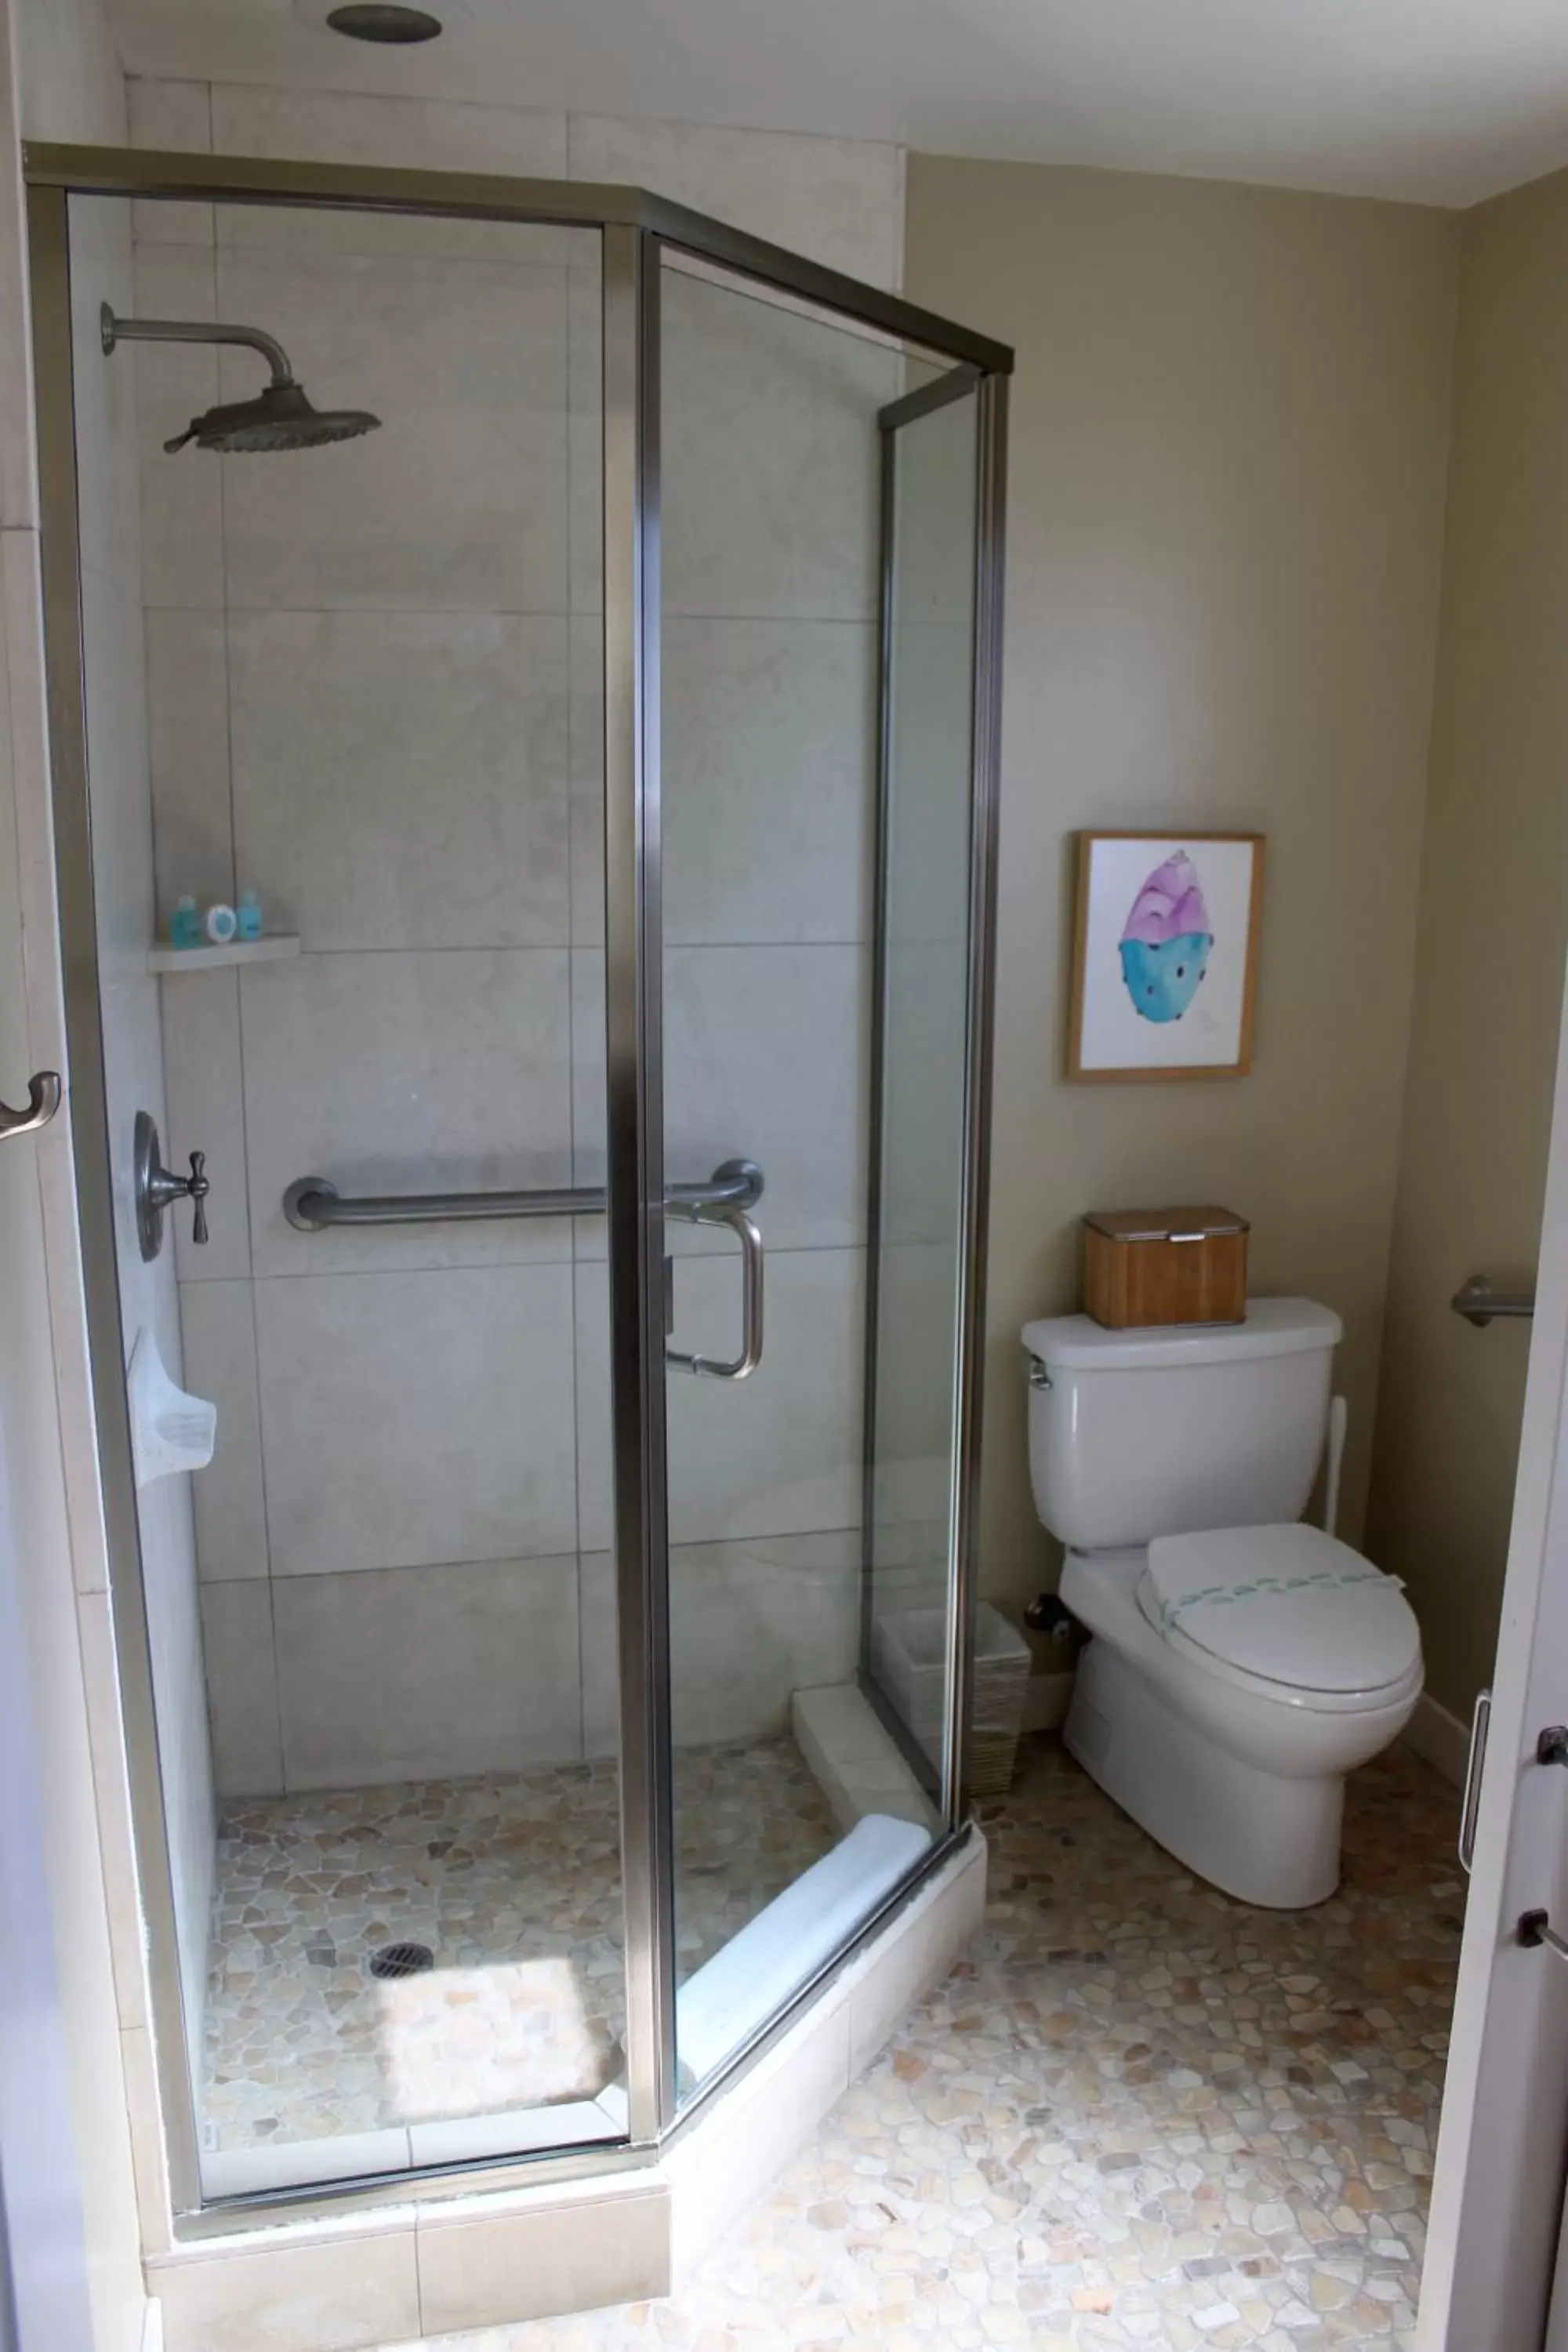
[777, 1453]
[766, 1057]
[407, 1073]
[114, 666]
[770, 474]
[202, 1053]
[836, 200]
[188, 705]
[751, 1623]
[219, 1333]
[541, 2258]
[242, 1688]
[459, 502]
[769, 731]
[415, 1673]
[400, 778]
[421, 133]
[105, 394]
[173, 116]
[182, 499]
[311, 2296]
[451, 1389]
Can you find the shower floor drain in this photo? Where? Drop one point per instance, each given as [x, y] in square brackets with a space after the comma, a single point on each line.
[402, 1960]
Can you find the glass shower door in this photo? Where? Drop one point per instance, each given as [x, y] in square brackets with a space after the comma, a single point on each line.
[796, 1813]
[911, 1616]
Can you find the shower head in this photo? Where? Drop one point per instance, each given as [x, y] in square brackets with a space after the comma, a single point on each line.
[280, 417]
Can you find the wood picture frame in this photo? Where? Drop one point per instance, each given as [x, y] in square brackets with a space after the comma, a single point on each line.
[1163, 986]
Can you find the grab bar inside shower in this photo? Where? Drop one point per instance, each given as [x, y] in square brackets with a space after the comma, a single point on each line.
[311, 1204]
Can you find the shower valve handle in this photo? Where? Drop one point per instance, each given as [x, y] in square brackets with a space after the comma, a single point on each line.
[155, 1188]
[198, 1184]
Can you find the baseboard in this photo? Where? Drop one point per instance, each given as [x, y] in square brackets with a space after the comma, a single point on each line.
[1046, 1702]
[1439, 1738]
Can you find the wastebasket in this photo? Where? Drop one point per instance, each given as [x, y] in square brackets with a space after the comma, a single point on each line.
[909, 1650]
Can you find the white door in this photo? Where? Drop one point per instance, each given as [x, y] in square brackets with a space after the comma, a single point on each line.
[1502, 2146]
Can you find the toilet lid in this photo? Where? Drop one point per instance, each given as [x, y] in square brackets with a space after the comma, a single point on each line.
[1287, 1603]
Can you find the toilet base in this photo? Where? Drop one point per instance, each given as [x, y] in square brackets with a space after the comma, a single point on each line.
[1267, 1840]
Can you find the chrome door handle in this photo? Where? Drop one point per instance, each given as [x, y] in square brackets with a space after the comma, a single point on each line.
[745, 1227]
[1479, 1723]
[43, 1101]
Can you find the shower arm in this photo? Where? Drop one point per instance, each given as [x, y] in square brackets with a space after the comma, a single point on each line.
[114, 331]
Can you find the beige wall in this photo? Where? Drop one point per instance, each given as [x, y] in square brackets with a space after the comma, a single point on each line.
[1227, 508]
[1489, 954]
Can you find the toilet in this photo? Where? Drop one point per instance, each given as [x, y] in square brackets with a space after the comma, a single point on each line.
[1240, 1663]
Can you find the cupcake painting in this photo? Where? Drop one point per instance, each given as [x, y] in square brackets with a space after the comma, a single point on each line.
[1166, 955]
[1165, 947]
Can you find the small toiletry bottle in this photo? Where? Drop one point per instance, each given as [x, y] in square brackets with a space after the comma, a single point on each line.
[250, 915]
[220, 925]
[185, 924]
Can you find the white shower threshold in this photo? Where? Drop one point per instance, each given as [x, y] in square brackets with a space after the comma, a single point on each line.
[379, 2276]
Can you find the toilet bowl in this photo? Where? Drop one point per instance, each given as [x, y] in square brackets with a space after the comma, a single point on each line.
[1240, 1664]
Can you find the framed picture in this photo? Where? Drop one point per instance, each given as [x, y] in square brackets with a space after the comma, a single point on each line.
[1166, 955]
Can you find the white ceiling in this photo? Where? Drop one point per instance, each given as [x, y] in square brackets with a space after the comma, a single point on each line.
[1442, 102]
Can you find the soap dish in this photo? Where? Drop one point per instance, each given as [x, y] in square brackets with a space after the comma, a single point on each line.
[169, 1429]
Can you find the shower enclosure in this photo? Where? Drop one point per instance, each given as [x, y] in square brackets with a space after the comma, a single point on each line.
[535, 1288]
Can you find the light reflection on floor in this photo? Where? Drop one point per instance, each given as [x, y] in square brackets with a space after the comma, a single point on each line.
[514, 1884]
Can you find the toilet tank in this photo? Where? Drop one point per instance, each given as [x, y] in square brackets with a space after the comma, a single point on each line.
[1134, 1434]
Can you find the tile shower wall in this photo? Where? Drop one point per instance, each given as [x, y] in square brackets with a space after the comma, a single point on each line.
[373, 679]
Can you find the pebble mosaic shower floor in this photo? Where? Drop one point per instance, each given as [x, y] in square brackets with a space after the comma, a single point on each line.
[1138, 2114]
[513, 1881]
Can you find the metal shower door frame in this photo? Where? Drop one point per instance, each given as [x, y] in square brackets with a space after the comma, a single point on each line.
[637, 230]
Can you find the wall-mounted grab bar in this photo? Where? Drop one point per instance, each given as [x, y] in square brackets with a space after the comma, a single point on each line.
[311, 1204]
[1478, 1303]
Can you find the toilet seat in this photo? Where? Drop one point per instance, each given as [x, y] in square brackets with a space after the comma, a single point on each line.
[1286, 1608]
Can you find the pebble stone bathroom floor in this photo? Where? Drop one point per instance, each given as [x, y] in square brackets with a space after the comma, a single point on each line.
[1137, 2115]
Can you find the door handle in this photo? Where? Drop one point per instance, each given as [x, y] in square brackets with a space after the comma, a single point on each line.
[745, 1227]
[43, 1101]
[1536, 1928]
[1479, 1722]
